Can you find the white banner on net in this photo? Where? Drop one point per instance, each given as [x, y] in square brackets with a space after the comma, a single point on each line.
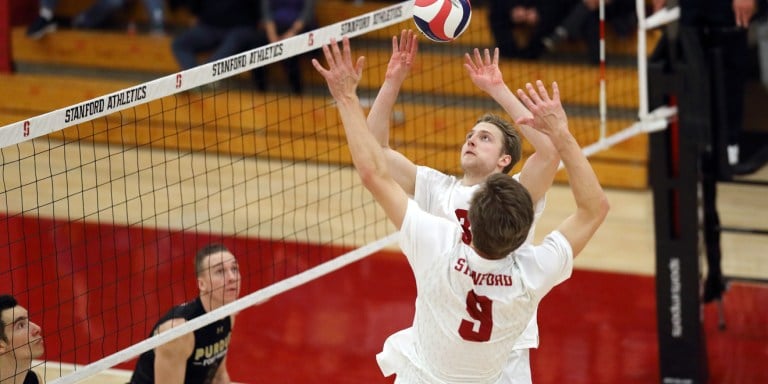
[204, 74]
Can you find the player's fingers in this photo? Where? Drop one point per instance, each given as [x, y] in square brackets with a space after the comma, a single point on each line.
[468, 63]
[532, 92]
[394, 45]
[555, 92]
[524, 99]
[414, 43]
[478, 59]
[335, 52]
[328, 55]
[347, 51]
[496, 56]
[359, 66]
[542, 90]
[318, 67]
[487, 56]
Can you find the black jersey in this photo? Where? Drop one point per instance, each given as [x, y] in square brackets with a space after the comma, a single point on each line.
[31, 378]
[211, 344]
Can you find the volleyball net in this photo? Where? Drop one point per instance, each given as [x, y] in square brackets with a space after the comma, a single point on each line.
[106, 201]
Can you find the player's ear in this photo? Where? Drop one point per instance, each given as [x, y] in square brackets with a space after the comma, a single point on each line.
[201, 285]
[3, 346]
[505, 160]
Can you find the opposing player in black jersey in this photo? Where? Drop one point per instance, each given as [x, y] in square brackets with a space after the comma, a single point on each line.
[198, 357]
[20, 342]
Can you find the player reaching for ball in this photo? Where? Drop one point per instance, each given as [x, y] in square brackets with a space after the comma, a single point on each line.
[474, 300]
[491, 146]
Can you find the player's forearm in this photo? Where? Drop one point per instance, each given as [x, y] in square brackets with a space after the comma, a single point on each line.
[167, 372]
[367, 155]
[507, 100]
[538, 173]
[379, 117]
[587, 192]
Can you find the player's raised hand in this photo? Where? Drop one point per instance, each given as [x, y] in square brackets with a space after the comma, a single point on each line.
[341, 75]
[403, 55]
[548, 113]
[484, 70]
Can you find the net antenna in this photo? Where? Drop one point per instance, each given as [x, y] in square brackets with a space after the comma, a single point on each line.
[649, 121]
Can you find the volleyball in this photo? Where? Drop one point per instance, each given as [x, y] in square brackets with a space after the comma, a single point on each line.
[442, 20]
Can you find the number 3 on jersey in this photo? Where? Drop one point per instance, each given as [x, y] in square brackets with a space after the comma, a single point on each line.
[480, 308]
[462, 215]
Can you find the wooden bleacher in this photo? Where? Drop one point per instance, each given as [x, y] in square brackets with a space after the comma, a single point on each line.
[26, 95]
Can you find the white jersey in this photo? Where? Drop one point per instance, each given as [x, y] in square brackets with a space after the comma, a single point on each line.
[445, 196]
[469, 310]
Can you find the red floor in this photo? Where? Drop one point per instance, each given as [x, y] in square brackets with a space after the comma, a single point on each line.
[93, 291]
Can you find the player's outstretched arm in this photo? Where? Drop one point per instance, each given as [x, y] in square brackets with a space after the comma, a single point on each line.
[379, 117]
[539, 170]
[400, 63]
[367, 155]
[171, 357]
[591, 202]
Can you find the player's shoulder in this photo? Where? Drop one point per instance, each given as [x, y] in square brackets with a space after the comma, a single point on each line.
[180, 314]
[432, 175]
[173, 322]
[556, 240]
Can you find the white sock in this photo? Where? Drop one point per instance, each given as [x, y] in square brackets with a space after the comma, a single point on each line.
[46, 13]
[733, 154]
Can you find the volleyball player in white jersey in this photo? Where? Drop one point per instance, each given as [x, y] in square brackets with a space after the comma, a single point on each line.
[473, 300]
[448, 196]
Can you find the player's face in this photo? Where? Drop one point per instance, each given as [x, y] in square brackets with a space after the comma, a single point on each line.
[25, 340]
[482, 153]
[220, 277]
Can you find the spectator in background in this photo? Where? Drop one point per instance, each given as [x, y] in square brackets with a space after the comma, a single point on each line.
[583, 22]
[45, 22]
[504, 16]
[98, 13]
[283, 19]
[95, 16]
[508, 18]
[222, 27]
[21, 341]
